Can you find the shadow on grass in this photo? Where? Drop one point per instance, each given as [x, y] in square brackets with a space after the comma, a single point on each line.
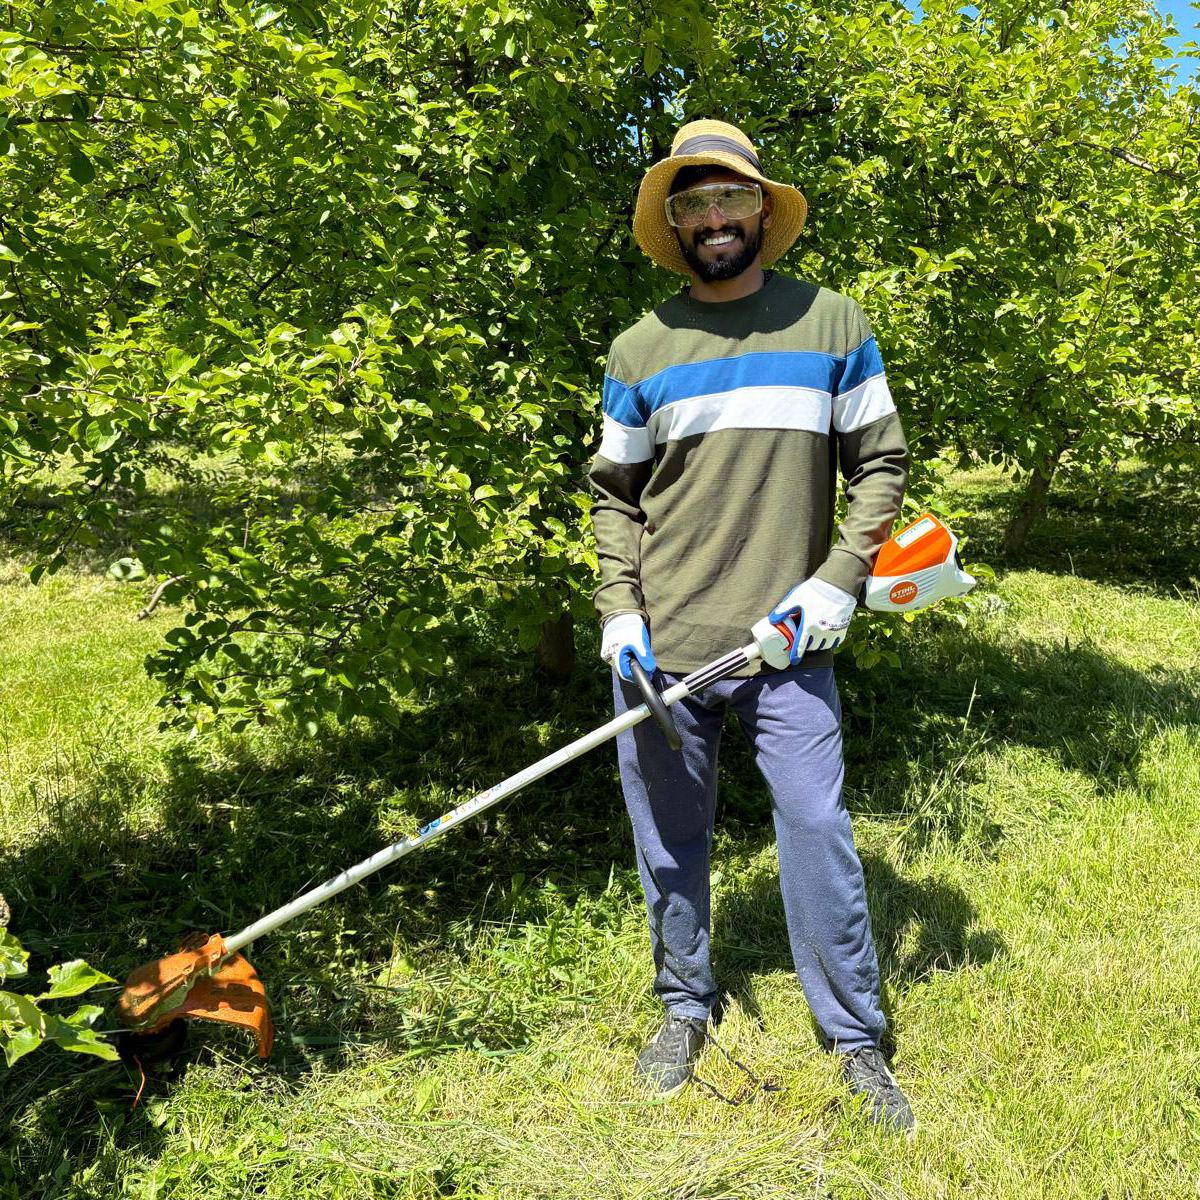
[243, 831]
[914, 759]
[913, 749]
[920, 927]
[236, 837]
[1135, 528]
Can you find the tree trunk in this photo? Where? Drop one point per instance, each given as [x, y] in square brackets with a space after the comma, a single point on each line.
[556, 649]
[1031, 507]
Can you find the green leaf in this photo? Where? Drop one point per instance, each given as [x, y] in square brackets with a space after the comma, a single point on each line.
[80, 168]
[178, 363]
[127, 569]
[101, 435]
[79, 1040]
[85, 1015]
[426, 1094]
[13, 956]
[19, 1043]
[72, 979]
[21, 1010]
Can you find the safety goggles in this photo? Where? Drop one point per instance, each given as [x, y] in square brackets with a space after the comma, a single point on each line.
[734, 201]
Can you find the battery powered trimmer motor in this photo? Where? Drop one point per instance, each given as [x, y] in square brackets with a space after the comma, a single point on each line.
[915, 568]
[210, 978]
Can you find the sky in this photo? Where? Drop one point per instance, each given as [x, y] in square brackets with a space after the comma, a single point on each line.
[1188, 21]
[1184, 14]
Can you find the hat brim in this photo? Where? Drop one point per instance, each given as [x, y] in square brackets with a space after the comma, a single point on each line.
[656, 236]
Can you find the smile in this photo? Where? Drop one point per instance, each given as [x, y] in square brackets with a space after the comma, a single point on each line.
[720, 239]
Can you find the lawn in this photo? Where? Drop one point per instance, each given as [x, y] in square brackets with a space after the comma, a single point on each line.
[1026, 794]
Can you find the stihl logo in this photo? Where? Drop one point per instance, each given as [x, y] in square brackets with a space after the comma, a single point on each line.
[902, 593]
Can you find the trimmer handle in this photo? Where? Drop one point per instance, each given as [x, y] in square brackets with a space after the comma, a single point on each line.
[775, 640]
[654, 702]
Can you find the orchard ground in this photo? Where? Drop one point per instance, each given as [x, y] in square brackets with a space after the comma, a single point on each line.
[1026, 792]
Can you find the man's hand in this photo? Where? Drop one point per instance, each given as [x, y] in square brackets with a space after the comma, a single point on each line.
[624, 637]
[818, 612]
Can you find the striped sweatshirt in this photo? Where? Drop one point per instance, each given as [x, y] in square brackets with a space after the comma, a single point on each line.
[725, 425]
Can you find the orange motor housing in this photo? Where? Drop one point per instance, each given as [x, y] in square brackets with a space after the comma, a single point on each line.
[915, 568]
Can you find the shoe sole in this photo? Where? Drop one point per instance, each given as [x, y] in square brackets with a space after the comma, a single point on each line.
[658, 1093]
[666, 1095]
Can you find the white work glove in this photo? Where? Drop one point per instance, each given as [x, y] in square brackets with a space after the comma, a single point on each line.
[625, 637]
[814, 615]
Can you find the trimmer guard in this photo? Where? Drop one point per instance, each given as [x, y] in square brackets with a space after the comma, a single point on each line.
[203, 981]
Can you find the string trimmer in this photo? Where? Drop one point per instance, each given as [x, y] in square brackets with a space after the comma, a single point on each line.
[209, 978]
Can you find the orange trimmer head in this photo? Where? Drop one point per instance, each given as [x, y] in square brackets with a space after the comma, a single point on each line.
[204, 980]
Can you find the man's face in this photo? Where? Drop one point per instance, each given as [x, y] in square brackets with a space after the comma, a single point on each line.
[719, 248]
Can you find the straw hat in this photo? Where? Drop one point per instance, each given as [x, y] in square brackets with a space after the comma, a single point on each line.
[718, 144]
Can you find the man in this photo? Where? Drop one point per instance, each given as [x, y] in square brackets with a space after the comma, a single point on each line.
[727, 412]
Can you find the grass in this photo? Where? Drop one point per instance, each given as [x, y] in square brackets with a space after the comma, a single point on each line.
[1027, 806]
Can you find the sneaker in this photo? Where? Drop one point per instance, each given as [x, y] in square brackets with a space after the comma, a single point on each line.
[666, 1063]
[865, 1070]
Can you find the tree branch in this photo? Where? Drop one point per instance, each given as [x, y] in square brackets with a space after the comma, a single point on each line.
[1133, 160]
[156, 596]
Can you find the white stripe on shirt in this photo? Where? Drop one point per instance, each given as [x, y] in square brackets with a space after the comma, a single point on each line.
[623, 444]
[759, 407]
[868, 402]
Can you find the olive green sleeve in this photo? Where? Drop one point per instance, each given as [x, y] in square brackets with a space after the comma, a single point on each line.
[874, 463]
[618, 522]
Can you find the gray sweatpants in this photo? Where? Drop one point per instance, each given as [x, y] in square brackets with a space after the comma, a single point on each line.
[793, 722]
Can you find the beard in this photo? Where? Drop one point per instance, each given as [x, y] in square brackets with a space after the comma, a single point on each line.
[725, 266]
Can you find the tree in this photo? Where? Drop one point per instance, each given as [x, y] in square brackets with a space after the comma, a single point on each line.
[352, 271]
[1015, 196]
[332, 253]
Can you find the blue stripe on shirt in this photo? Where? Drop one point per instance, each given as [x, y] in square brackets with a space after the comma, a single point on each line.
[861, 365]
[634, 405]
[621, 403]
